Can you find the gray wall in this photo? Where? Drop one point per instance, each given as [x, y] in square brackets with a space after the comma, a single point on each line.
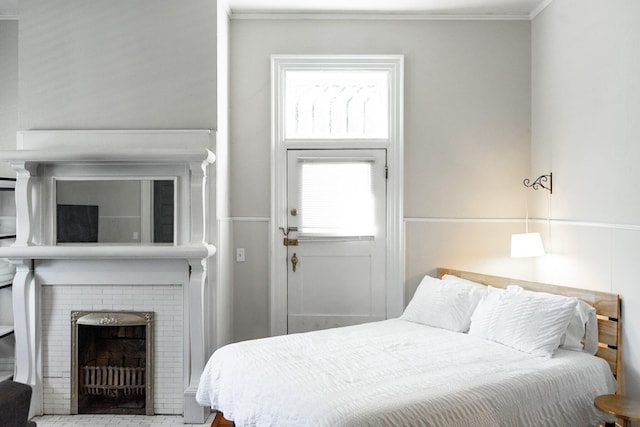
[467, 119]
[95, 64]
[8, 89]
[585, 127]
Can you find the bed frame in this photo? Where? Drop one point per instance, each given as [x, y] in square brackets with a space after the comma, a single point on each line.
[608, 310]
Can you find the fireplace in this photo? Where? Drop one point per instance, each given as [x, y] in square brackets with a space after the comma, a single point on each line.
[112, 363]
[133, 276]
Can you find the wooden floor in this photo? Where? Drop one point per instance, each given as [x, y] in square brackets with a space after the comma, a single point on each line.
[220, 421]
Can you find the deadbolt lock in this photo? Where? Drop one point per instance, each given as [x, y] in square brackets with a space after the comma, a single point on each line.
[290, 242]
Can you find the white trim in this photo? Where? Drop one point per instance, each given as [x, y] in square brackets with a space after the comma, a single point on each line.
[224, 6]
[573, 223]
[592, 224]
[395, 156]
[487, 220]
[542, 6]
[249, 219]
[8, 17]
[368, 16]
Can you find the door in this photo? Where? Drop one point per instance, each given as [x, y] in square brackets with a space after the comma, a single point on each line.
[336, 259]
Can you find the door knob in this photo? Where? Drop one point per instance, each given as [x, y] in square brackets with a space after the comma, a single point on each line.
[294, 261]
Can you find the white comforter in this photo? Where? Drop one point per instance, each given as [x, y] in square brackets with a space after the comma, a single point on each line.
[398, 373]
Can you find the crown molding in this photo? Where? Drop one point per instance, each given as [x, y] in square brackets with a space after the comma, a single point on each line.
[542, 6]
[417, 16]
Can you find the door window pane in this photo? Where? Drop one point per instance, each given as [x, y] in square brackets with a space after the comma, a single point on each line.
[336, 104]
[336, 197]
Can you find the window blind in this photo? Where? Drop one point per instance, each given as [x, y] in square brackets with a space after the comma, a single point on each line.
[336, 198]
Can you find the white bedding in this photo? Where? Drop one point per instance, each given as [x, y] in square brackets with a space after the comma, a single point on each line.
[399, 373]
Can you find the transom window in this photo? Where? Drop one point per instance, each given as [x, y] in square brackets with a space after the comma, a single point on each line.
[336, 104]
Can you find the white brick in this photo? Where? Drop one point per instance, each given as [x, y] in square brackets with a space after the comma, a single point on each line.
[165, 301]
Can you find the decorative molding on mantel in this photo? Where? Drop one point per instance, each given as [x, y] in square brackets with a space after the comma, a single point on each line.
[140, 155]
[84, 251]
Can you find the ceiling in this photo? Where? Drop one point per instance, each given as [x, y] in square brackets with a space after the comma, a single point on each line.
[506, 8]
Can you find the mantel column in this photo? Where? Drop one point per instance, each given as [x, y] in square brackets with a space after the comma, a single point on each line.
[199, 199]
[26, 196]
[26, 309]
[194, 341]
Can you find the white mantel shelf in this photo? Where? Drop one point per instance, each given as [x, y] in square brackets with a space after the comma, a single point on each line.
[141, 155]
[193, 251]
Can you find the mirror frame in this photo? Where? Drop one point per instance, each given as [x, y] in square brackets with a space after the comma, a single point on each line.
[54, 173]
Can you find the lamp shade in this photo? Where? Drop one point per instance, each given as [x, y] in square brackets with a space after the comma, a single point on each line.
[526, 245]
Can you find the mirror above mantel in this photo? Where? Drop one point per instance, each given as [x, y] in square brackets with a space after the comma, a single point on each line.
[120, 211]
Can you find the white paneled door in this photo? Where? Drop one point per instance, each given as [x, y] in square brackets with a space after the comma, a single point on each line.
[336, 203]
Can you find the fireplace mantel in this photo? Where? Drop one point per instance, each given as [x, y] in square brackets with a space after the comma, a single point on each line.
[46, 157]
[192, 251]
[89, 155]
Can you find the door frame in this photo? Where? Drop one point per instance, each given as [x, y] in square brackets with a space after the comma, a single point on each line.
[394, 146]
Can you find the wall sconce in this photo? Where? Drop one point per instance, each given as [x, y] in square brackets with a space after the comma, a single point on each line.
[530, 244]
[540, 182]
[526, 245]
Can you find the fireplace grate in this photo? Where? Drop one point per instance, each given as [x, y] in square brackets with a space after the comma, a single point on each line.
[112, 381]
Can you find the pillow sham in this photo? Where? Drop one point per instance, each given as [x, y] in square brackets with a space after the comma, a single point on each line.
[582, 327]
[444, 304]
[531, 322]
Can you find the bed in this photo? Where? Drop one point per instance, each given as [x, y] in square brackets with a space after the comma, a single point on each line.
[471, 369]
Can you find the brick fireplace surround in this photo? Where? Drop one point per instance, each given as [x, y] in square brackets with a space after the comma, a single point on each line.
[169, 280]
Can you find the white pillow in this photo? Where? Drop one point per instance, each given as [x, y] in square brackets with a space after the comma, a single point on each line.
[582, 325]
[444, 304]
[531, 322]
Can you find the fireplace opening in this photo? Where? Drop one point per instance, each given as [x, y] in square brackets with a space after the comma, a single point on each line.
[111, 363]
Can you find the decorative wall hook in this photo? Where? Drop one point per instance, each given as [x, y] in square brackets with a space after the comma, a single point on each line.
[540, 182]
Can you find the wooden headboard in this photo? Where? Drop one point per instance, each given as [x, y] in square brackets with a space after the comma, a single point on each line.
[608, 310]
